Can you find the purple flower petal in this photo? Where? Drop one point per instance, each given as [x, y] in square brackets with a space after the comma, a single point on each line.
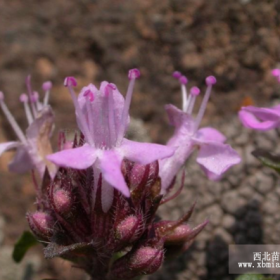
[7, 146]
[110, 165]
[249, 120]
[265, 114]
[217, 157]
[78, 158]
[210, 134]
[42, 126]
[97, 103]
[178, 118]
[21, 162]
[145, 153]
[210, 175]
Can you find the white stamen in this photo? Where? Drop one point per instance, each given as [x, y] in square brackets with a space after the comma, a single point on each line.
[203, 107]
[24, 100]
[12, 122]
[194, 92]
[46, 98]
[185, 98]
[191, 105]
[30, 93]
[47, 87]
[36, 100]
[133, 75]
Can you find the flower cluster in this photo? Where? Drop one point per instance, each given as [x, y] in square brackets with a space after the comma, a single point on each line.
[214, 156]
[33, 146]
[99, 194]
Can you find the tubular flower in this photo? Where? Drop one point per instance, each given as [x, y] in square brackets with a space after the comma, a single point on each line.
[214, 156]
[34, 145]
[102, 116]
[261, 118]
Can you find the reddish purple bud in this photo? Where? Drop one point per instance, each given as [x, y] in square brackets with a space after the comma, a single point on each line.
[23, 98]
[133, 74]
[70, 82]
[138, 173]
[183, 80]
[62, 201]
[179, 235]
[41, 224]
[210, 80]
[146, 259]
[176, 74]
[195, 91]
[47, 85]
[129, 229]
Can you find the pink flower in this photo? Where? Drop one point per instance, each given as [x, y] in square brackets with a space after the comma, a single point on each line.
[34, 145]
[261, 118]
[214, 156]
[102, 116]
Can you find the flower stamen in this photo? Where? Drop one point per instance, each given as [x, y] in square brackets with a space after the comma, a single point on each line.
[183, 81]
[194, 92]
[133, 74]
[47, 87]
[11, 119]
[35, 99]
[71, 82]
[24, 99]
[210, 81]
[31, 97]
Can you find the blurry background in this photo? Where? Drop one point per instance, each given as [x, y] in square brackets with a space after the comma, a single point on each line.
[238, 41]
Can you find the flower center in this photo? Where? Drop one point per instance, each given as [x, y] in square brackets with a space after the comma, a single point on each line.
[99, 124]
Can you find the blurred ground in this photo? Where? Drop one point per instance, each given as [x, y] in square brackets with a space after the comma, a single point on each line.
[237, 41]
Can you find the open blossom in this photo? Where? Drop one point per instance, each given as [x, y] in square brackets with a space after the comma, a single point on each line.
[103, 116]
[261, 118]
[33, 146]
[214, 156]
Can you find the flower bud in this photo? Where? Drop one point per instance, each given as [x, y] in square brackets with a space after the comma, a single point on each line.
[179, 235]
[129, 229]
[41, 224]
[62, 201]
[146, 259]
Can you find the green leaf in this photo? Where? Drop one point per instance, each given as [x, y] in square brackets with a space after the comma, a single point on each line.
[25, 242]
[268, 159]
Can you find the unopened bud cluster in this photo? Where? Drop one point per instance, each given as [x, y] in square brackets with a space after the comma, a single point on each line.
[122, 243]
